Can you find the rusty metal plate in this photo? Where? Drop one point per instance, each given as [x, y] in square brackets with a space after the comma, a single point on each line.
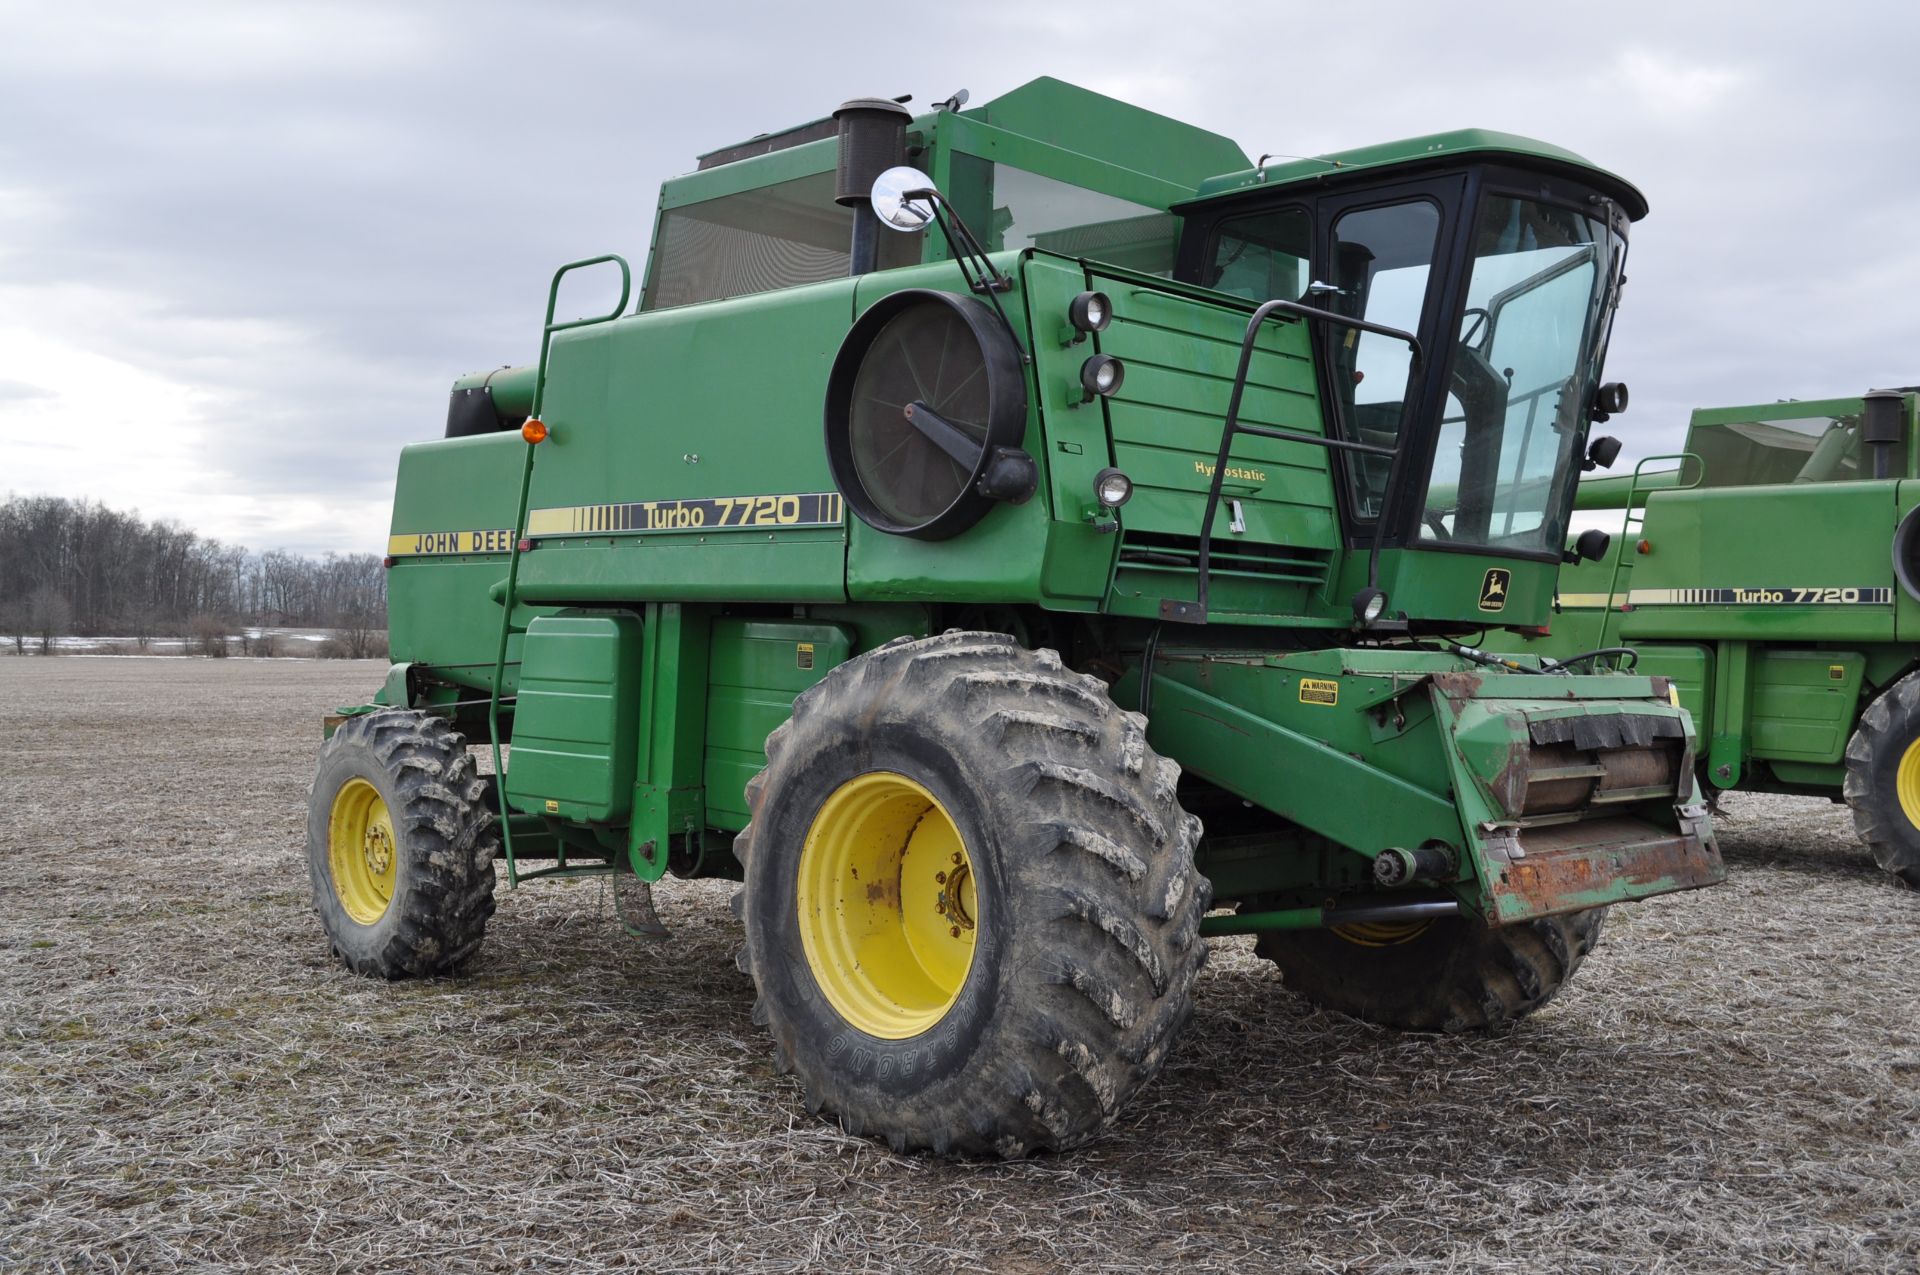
[1570, 867]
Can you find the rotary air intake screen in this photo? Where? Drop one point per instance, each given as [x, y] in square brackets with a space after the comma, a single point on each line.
[913, 472]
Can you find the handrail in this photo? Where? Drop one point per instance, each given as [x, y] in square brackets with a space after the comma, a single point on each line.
[553, 298]
[520, 528]
[1195, 612]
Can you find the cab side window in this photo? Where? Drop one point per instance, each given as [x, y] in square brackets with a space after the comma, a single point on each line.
[1263, 256]
[1382, 260]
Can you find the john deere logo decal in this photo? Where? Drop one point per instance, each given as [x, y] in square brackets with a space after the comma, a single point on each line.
[1493, 589]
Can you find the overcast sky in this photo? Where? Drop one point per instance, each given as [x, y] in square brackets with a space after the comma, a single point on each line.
[244, 248]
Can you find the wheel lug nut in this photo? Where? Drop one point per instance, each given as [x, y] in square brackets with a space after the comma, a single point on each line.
[955, 931]
[941, 877]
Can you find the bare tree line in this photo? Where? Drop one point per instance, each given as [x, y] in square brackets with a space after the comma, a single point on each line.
[76, 566]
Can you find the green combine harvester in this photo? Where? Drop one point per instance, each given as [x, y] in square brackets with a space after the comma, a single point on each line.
[1771, 572]
[1000, 538]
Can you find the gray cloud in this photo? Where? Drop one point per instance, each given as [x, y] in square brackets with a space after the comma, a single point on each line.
[21, 392]
[316, 216]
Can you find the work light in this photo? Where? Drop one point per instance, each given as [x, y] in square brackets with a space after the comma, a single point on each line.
[1112, 488]
[1101, 374]
[1090, 312]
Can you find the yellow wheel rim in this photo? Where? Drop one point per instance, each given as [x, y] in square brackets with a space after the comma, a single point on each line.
[361, 851]
[888, 905]
[1906, 783]
[1382, 933]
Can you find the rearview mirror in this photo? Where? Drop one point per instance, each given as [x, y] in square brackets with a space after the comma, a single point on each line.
[1591, 544]
[892, 205]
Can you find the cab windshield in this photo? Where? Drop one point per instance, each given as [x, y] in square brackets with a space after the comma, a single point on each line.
[1519, 377]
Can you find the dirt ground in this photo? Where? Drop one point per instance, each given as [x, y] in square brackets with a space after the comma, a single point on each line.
[187, 1082]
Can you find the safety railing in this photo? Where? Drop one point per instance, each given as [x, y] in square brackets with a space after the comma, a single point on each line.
[1195, 612]
[532, 432]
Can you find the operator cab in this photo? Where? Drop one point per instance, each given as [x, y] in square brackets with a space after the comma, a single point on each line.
[1502, 256]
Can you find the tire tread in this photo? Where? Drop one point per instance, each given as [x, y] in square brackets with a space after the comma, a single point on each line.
[1107, 878]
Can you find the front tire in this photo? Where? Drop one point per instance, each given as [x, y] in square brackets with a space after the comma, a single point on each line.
[400, 845]
[1451, 974]
[1883, 779]
[1017, 997]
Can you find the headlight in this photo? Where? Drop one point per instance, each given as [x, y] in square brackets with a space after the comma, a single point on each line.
[1090, 312]
[1102, 374]
[1369, 604]
[1112, 488]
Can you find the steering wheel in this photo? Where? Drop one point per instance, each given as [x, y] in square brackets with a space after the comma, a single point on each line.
[1468, 331]
[1433, 519]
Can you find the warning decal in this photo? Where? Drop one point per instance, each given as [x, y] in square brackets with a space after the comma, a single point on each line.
[1317, 690]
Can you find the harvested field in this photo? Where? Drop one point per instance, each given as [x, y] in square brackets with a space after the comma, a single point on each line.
[187, 1082]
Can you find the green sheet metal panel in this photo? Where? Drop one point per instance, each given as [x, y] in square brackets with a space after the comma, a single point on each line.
[1275, 535]
[1080, 543]
[1180, 354]
[755, 669]
[999, 558]
[1437, 583]
[1804, 703]
[1107, 130]
[453, 513]
[685, 463]
[1787, 562]
[1688, 667]
[576, 720]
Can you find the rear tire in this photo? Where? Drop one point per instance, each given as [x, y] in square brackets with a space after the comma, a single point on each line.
[400, 845]
[1883, 779]
[1070, 966]
[1448, 975]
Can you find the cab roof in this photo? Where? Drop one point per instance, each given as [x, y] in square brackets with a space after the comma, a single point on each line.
[1431, 150]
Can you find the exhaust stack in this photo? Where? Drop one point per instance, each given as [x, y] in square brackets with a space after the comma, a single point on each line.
[1883, 427]
[873, 138]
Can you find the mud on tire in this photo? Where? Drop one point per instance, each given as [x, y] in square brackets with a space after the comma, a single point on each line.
[1088, 900]
[444, 839]
[1887, 737]
[1452, 975]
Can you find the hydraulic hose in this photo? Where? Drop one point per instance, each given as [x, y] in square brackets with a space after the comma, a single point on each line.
[1490, 660]
[1596, 653]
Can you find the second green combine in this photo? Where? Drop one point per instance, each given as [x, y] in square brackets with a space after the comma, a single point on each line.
[1771, 571]
[1006, 540]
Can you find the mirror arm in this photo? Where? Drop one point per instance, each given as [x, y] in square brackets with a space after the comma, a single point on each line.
[975, 266]
[983, 276]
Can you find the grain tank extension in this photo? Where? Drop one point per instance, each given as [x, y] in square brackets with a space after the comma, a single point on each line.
[1018, 543]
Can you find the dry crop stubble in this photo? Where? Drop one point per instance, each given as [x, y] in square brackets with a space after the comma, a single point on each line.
[187, 1082]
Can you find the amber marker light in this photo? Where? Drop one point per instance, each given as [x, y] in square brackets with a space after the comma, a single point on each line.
[535, 430]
